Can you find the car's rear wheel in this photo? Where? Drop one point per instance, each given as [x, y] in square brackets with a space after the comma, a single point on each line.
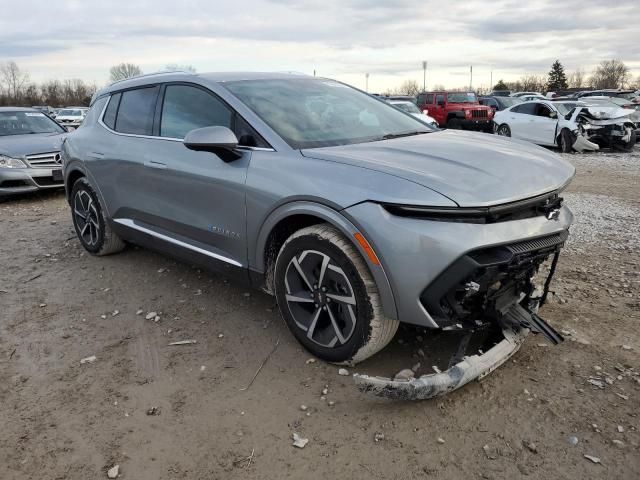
[328, 298]
[90, 223]
[566, 142]
[504, 130]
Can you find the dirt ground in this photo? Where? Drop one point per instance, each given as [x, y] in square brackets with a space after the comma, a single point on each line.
[536, 417]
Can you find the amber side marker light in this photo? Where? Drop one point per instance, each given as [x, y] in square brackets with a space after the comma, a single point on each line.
[367, 248]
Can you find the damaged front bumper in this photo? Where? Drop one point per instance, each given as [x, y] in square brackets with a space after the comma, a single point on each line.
[470, 368]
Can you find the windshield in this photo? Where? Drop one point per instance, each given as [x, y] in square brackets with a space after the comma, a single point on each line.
[406, 107]
[462, 97]
[310, 113]
[23, 123]
[564, 108]
[69, 113]
[506, 102]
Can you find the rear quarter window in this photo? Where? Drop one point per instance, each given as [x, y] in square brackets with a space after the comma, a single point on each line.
[109, 118]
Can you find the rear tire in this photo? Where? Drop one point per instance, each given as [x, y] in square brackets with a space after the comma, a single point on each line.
[328, 297]
[90, 223]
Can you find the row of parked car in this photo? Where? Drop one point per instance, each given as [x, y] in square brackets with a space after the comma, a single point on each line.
[577, 121]
[70, 116]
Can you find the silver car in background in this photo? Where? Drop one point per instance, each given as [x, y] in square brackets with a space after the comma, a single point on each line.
[29, 151]
[354, 214]
[71, 116]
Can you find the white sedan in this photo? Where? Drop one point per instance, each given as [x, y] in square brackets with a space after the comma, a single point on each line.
[410, 107]
[535, 121]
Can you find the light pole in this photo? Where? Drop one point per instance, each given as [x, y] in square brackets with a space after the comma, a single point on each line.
[471, 77]
[366, 78]
[424, 76]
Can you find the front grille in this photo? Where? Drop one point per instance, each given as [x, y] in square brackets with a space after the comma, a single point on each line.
[539, 243]
[480, 283]
[45, 160]
[479, 114]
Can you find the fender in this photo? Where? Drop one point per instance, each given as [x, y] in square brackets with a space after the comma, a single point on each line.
[79, 166]
[339, 221]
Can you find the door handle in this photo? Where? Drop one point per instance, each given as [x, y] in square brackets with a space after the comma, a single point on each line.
[152, 164]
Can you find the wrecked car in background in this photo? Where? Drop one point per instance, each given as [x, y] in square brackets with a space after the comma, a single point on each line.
[568, 125]
[591, 127]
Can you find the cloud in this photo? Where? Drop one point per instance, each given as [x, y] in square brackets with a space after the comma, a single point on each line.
[342, 38]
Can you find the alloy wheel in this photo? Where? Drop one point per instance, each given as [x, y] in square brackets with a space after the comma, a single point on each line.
[85, 215]
[504, 131]
[320, 298]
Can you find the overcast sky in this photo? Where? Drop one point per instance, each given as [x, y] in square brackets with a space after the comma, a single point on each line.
[341, 39]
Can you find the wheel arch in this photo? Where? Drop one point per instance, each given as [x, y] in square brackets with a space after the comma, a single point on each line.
[288, 218]
[72, 177]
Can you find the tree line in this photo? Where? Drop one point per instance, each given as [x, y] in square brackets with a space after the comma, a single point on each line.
[608, 74]
[17, 89]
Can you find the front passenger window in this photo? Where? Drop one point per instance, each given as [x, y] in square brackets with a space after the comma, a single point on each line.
[186, 108]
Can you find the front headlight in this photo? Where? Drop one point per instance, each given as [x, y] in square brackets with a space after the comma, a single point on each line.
[8, 162]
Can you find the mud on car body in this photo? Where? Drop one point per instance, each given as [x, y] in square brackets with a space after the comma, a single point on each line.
[354, 214]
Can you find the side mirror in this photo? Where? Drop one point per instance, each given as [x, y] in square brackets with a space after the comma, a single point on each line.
[218, 140]
[553, 115]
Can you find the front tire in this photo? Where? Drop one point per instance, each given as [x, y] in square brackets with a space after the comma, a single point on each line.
[566, 142]
[504, 130]
[626, 146]
[90, 222]
[328, 297]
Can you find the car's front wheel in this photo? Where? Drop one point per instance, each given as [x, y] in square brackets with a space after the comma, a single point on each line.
[328, 297]
[504, 130]
[90, 223]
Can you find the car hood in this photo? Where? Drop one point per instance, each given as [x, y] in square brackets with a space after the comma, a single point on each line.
[472, 169]
[20, 145]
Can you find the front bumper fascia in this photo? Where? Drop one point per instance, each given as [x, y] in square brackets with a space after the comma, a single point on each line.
[414, 252]
[471, 368]
[25, 180]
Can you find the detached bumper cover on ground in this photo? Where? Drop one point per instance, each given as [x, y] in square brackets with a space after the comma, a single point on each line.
[471, 368]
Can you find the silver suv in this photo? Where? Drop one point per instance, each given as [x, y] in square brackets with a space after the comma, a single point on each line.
[354, 214]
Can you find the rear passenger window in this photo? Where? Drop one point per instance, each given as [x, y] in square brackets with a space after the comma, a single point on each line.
[109, 118]
[186, 108]
[525, 108]
[135, 114]
[430, 98]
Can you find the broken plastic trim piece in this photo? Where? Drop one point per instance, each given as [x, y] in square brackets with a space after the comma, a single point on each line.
[470, 368]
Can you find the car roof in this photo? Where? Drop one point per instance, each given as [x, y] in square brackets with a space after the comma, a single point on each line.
[17, 109]
[217, 77]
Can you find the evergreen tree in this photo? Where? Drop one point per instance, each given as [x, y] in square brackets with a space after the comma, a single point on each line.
[557, 78]
[500, 86]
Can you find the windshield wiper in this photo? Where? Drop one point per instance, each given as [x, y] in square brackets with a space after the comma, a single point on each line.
[389, 136]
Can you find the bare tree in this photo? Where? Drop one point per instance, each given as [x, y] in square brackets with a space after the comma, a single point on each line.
[13, 80]
[577, 78]
[610, 74]
[124, 70]
[408, 87]
[533, 83]
[52, 93]
[175, 67]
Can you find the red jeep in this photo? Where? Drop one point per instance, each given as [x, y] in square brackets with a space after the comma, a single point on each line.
[457, 110]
